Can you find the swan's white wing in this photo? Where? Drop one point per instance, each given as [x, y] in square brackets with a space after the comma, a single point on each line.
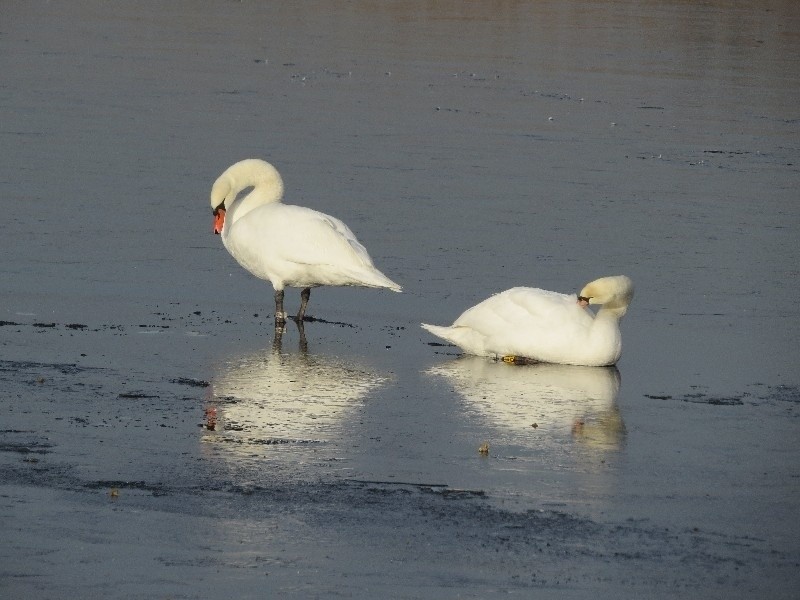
[298, 246]
[529, 322]
[309, 237]
[521, 304]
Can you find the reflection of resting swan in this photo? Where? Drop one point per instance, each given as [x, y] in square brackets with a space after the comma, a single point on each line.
[540, 400]
[273, 397]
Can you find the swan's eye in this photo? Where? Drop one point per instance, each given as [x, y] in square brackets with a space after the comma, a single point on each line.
[220, 207]
[583, 299]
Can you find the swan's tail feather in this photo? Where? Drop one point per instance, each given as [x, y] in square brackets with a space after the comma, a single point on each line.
[387, 283]
[469, 340]
[372, 278]
[378, 279]
[395, 287]
[437, 330]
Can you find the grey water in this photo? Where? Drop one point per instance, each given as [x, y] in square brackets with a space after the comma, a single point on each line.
[471, 148]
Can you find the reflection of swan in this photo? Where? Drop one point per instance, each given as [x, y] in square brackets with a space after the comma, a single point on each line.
[288, 245]
[272, 397]
[541, 400]
[546, 326]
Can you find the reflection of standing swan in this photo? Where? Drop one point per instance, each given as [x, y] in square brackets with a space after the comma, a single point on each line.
[546, 326]
[288, 245]
[273, 397]
[539, 400]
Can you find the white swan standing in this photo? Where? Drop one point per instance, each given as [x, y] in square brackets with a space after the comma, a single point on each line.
[291, 246]
[546, 326]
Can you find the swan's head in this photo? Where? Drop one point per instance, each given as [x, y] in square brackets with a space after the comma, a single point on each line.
[615, 292]
[249, 173]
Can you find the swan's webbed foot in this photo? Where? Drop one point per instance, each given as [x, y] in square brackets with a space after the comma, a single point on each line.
[518, 360]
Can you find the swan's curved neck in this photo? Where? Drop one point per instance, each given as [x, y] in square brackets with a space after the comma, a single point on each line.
[262, 177]
[240, 207]
[611, 312]
[606, 324]
[605, 335]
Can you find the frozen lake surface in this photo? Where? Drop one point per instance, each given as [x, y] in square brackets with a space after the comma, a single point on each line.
[160, 440]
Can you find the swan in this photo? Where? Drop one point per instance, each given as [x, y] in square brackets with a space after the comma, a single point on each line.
[545, 326]
[288, 245]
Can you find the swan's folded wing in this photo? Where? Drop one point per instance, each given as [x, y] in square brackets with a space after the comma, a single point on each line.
[514, 306]
[524, 320]
[315, 238]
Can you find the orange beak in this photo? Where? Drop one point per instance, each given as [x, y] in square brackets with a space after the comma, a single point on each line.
[219, 220]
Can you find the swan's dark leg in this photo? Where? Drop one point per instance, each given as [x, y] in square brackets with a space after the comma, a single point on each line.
[280, 316]
[304, 296]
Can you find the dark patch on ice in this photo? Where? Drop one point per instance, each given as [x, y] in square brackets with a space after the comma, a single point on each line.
[719, 401]
[226, 400]
[784, 393]
[398, 483]
[271, 441]
[308, 319]
[28, 448]
[700, 398]
[19, 366]
[456, 493]
[135, 395]
[190, 382]
[156, 489]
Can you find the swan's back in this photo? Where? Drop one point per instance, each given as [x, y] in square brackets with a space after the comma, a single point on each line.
[529, 322]
[534, 307]
[300, 247]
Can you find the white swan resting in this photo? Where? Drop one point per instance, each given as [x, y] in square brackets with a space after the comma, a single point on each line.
[291, 246]
[546, 326]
